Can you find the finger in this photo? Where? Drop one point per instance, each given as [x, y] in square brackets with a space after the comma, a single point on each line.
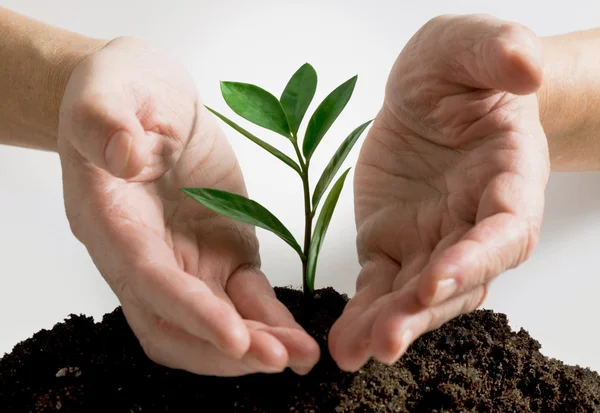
[177, 349]
[410, 271]
[505, 235]
[403, 319]
[140, 267]
[352, 347]
[487, 53]
[254, 299]
[266, 352]
[359, 335]
[303, 351]
[103, 127]
[416, 265]
[349, 337]
[185, 301]
[415, 269]
[493, 246]
[388, 327]
[374, 280]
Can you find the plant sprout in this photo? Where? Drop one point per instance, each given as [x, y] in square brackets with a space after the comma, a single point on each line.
[284, 116]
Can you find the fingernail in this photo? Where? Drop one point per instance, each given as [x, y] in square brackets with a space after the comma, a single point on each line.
[444, 290]
[407, 338]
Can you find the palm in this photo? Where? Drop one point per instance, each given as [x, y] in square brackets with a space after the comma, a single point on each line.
[151, 212]
[416, 196]
[188, 279]
[449, 187]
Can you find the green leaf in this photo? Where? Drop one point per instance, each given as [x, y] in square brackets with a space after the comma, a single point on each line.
[244, 210]
[274, 151]
[325, 115]
[298, 94]
[256, 105]
[336, 162]
[321, 229]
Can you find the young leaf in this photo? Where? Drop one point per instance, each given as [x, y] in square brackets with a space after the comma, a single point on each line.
[256, 105]
[274, 151]
[244, 210]
[321, 229]
[325, 115]
[335, 163]
[298, 94]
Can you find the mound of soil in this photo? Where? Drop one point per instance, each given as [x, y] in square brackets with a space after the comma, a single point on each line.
[475, 363]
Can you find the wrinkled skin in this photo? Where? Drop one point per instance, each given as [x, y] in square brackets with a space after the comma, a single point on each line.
[449, 186]
[188, 280]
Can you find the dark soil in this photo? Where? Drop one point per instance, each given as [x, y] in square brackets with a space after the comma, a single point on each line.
[472, 364]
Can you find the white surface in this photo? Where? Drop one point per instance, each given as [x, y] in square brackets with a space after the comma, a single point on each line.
[45, 273]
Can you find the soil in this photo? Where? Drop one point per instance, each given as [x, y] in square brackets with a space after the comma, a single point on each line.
[475, 363]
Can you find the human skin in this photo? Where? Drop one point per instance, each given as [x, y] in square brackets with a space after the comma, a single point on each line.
[131, 130]
[449, 184]
[190, 282]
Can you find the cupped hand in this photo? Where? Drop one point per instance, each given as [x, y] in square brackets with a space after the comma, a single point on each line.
[132, 132]
[449, 186]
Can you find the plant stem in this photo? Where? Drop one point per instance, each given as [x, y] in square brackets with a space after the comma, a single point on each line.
[308, 216]
[307, 229]
[303, 166]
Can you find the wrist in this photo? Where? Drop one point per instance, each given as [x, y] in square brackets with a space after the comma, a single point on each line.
[569, 100]
[37, 61]
[555, 112]
[59, 66]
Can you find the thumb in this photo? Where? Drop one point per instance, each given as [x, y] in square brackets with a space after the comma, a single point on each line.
[107, 133]
[488, 53]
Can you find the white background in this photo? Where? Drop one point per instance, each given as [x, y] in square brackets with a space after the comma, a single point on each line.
[45, 273]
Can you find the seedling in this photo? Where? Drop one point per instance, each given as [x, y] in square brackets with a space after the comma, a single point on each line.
[284, 116]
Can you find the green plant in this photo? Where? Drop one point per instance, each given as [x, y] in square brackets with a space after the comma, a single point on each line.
[284, 116]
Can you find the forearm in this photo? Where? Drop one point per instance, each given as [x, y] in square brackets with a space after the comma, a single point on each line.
[36, 60]
[570, 100]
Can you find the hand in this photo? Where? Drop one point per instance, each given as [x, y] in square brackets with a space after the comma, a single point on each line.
[132, 132]
[449, 185]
